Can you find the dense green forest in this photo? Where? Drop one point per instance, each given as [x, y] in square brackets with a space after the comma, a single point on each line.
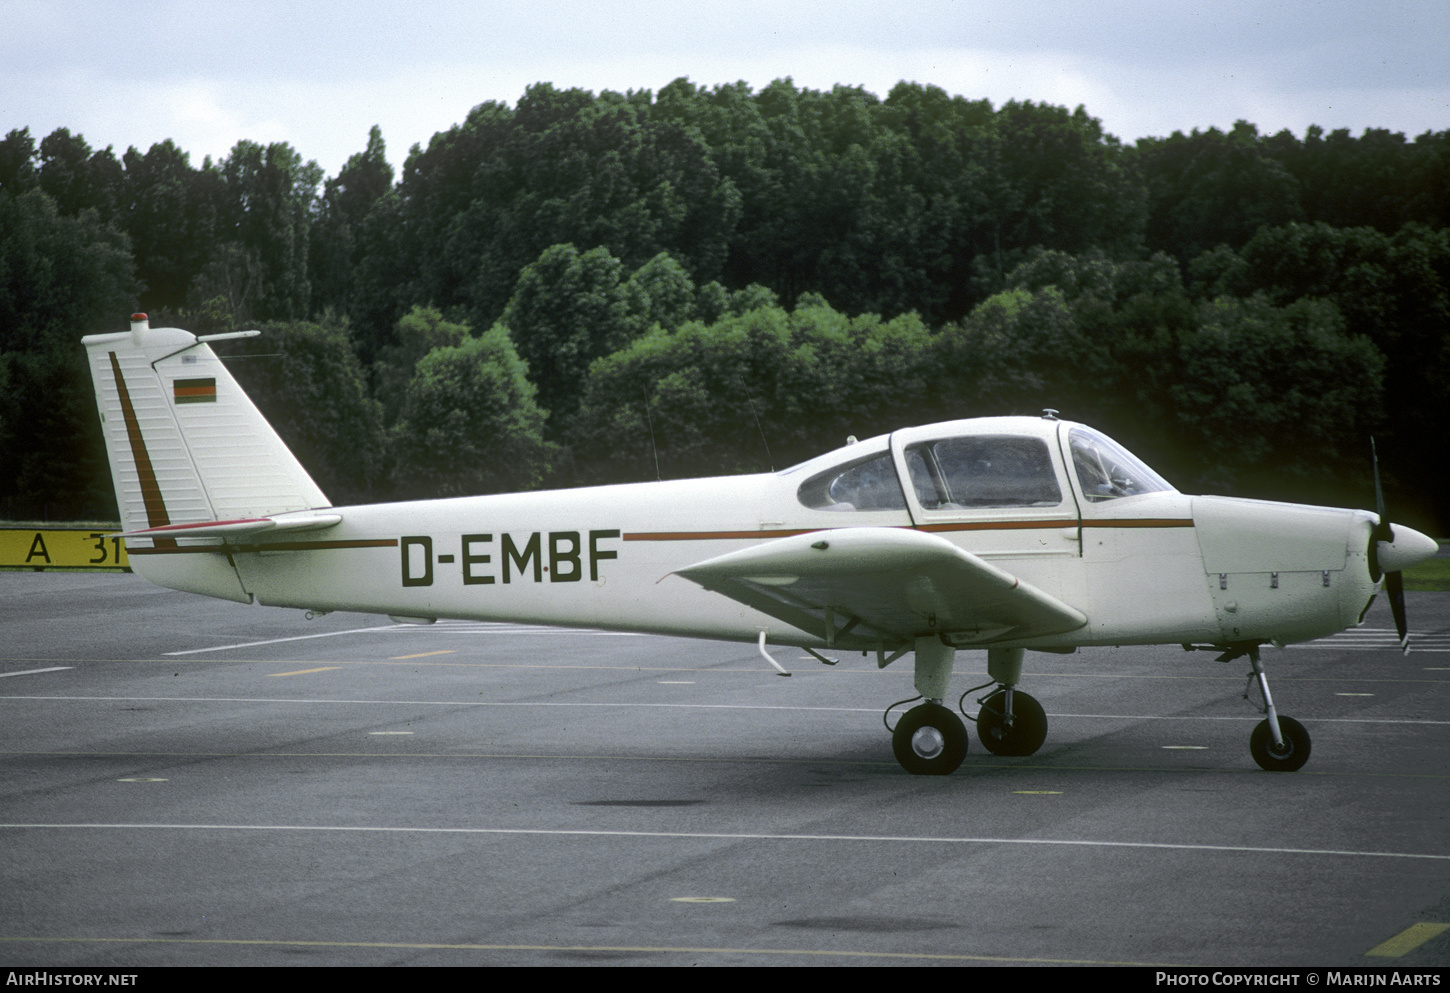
[590, 288]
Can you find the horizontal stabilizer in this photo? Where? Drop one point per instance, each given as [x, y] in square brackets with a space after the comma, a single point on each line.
[248, 527]
[859, 586]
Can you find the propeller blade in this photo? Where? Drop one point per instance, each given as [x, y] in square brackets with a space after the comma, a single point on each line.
[1382, 529]
[1379, 493]
[1395, 587]
[1394, 581]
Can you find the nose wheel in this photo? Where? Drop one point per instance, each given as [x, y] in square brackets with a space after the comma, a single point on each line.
[1278, 744]
[1288, 755]
[929, 740]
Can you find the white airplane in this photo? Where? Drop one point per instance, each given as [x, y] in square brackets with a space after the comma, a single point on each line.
[1003, 533]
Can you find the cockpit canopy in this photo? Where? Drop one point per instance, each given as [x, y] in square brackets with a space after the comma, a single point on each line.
[1107, 470]
[989, 468]
[867, 483]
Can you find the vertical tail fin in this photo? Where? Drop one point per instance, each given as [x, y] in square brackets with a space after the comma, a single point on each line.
[185, 443]
[187, 446]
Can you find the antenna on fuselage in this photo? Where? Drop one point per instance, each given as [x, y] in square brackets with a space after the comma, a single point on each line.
[768, 457]
[653, 447]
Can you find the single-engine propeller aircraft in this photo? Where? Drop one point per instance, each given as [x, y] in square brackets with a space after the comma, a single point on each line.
[1002, 533]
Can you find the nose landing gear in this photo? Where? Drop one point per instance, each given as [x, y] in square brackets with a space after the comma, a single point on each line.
[1278, 744]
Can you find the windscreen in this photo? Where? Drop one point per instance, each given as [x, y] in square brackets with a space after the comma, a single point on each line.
[1108, 471]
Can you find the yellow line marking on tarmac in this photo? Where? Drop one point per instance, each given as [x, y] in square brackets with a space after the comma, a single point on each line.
[1407, 940]
[140, 779]
[1038, 792]
[1354, 694]
[424, 655]
[304, 672]
[1186, 748]
[641, 949]
[702, 899]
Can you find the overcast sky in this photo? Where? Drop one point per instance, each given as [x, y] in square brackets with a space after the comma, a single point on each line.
[320, 74]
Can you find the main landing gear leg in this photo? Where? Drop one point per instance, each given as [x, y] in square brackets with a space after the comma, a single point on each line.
[1278, 744]
[930, 740]
[1010, 722]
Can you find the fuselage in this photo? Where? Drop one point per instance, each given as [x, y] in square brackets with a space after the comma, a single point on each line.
[1049, 501]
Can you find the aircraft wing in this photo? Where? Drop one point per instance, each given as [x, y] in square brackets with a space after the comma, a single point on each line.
[858, 587]
[306, 520]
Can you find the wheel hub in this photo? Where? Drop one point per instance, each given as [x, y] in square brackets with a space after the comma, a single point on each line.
[928, 742]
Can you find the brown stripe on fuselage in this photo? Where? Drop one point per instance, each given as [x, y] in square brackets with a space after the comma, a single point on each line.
[714, 535]
[1061, 522]
[308, 546]
[280, 546]
[151, 498]
[1143, 522]
[1064, 522]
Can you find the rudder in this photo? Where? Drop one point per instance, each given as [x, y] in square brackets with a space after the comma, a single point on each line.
[185, 443]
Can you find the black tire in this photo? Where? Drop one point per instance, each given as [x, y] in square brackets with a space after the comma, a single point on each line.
[929, 740]
[1294, 753]
[1028, 730]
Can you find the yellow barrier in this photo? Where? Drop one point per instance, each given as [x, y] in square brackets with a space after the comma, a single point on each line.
[70, 548]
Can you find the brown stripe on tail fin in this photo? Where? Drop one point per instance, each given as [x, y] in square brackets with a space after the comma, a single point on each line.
[151, 497]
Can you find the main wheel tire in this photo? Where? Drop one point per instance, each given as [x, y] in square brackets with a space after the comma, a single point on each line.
[929, 740]
[1028, 730]
[1287, 759]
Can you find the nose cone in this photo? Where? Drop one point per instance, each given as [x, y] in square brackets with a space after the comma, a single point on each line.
[1410, 547]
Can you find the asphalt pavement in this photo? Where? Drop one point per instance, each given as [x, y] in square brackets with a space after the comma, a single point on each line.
[186, 781]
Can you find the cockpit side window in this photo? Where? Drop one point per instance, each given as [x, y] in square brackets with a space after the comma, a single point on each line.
[867, 484]
[983, 471]
[1108, 471]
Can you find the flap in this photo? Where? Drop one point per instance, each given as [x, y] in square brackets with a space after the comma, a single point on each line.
[856, 587]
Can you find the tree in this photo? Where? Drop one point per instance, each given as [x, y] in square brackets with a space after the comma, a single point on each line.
[77, 178]
[1015, 353]
[347, 200]
[749, 392]
[1229, 395]
[306, 380]
[568, 309]
[269, 200]
[1210, 187]
[660, 292]
[17, 162]
[60, 278]
[171, 214]
[1272, 401]
[488, 196]
[469, 423]
[417, 333]
[1395, 291]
